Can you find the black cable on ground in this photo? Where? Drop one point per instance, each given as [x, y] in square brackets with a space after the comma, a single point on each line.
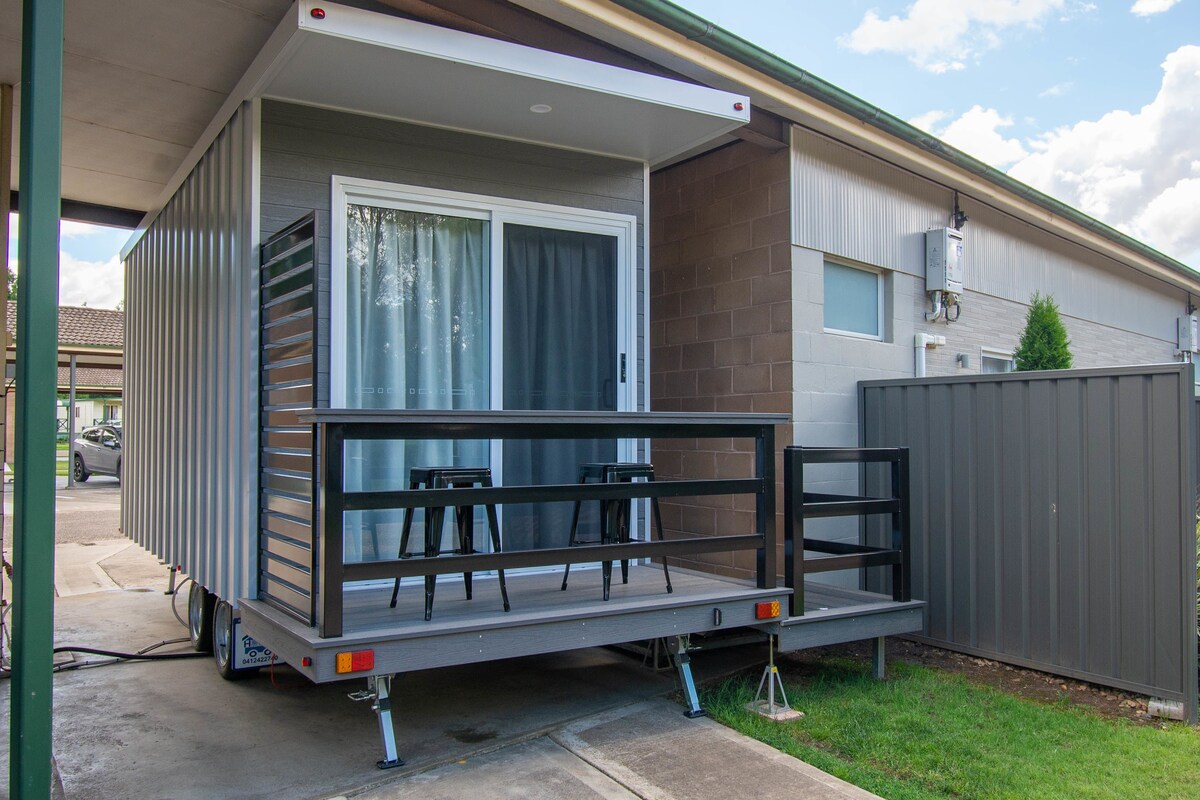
[93, 651]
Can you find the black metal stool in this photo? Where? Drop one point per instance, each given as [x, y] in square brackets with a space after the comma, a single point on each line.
[615, 516]
[435, 517]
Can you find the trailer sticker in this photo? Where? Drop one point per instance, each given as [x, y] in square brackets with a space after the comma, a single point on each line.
[248, 653]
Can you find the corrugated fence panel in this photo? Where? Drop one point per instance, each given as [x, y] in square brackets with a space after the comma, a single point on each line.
[287, 563]
[1053, 518]
[191, 389]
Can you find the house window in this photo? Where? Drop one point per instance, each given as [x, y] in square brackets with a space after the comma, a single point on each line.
[853, 301]
[995, 362]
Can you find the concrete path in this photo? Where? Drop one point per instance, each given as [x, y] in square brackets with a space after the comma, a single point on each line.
[646, 750]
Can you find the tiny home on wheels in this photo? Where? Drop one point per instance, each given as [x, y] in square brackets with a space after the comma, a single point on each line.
[406, 282]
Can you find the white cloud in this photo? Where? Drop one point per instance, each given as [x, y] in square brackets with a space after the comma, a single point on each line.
[1057, 90]
[929, 120]
[69, 229]
[1136, 170]
[931, 29]
[1146, 8]
[977, 132]
[100, 284]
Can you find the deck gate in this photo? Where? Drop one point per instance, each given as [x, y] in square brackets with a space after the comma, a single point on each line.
[1053, 518]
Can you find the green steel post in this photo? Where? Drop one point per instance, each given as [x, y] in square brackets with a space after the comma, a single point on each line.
[37, 379]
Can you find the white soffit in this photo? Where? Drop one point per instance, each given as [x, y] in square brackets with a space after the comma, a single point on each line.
[384, 66]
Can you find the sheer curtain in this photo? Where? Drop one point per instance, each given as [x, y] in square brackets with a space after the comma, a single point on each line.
[417, 300]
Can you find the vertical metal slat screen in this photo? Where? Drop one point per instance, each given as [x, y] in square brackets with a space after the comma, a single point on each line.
[288, 383]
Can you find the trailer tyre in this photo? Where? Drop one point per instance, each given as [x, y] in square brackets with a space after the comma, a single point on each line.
[200, 617]
[222, 643]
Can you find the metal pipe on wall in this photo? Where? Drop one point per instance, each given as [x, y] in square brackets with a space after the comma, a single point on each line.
[922, 342]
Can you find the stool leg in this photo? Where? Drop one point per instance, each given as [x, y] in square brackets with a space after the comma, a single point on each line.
[465, 517]
[658, 524]
[571, 541]
[608, 518]
[623, 525]
[434, 521]
[408, 519]
[494, 527]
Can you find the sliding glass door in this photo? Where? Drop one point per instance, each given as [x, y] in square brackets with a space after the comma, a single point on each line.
[450, 301]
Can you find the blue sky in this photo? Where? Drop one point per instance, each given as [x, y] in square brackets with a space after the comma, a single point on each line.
[90, 270]
[1095, 103]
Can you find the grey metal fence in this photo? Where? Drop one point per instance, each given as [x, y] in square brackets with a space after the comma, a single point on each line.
[1053, 518]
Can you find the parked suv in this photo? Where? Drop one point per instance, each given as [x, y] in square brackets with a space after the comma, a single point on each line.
[97, 451]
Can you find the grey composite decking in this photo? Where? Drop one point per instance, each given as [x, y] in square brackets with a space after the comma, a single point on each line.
[543, 619]
[833, 615]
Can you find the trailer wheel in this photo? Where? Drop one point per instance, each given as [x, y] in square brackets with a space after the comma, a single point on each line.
[200, 617]
[222, 643]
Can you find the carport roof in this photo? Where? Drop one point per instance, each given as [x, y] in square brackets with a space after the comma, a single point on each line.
[138, 91]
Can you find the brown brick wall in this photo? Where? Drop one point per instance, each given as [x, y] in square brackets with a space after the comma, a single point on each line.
[720, 323]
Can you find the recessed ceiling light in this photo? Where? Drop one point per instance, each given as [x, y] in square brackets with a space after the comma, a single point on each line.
[540, 108]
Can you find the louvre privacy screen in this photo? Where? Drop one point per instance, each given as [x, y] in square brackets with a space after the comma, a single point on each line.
[1053, 518]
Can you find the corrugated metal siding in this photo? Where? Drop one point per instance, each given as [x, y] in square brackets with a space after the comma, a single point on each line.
[287, 556]
[304, 147]
[1053, 518]
[191, 391]
[850, 204]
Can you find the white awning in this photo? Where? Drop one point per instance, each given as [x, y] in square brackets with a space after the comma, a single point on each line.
[359, 61]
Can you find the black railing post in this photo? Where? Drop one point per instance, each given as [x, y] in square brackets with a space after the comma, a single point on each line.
[767, 558]
[901, 530]
[331, 514]
[793, 526]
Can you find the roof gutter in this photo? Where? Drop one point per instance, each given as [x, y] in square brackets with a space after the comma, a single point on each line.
[698, 29]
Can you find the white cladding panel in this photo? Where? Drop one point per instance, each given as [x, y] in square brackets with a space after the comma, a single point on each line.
[856, 206]
[191, 383]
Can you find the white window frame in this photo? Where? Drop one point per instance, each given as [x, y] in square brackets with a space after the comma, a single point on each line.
[880, 285]
[498, 211]
[995, 353]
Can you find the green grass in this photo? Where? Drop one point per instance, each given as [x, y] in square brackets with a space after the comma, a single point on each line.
[926, 733]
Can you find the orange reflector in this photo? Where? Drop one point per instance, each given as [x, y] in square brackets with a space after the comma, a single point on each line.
[768, 610]
[356, 661]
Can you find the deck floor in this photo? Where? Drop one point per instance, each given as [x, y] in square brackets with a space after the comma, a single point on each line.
[546, 619]
[543, 617]
[531, 595]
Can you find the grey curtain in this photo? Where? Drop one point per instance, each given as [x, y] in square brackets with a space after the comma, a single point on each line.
[560, 312]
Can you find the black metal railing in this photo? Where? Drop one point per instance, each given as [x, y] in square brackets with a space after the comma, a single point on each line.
[799, 505]
[336, 427]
